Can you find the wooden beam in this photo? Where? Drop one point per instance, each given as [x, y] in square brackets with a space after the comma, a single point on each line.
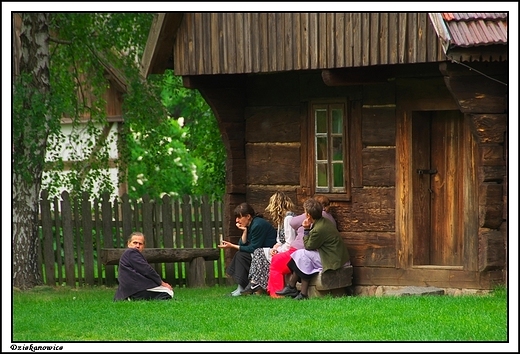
[111, 256]
[158, 53]
[355, 76]
[477, 88]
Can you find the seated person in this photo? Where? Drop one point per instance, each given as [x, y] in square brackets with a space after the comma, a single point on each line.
[137, 279]
[324, 250]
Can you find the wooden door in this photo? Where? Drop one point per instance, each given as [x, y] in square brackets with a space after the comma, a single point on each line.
[437, 188]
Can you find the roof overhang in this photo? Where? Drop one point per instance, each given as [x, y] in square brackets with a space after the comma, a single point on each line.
[158, 53]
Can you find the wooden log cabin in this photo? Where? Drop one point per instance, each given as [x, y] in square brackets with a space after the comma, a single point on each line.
[401, 119]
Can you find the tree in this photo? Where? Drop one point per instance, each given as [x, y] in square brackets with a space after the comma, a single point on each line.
[184, 154]
[33, 120]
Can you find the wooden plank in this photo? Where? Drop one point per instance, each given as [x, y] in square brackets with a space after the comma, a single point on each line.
[374, 38]
[356, 144]
[76, 230]
[370, 249]
[126, 215]
[296, 41]
[273, 124]
[262, 157]
[378, 126]
[365, 39]
[98, 243]
[370, 209]
[215, 44]
[330, 39]
[383, 38]
[88, 252]
[263, 44]
[58, 224]
[421, 151]
[490, 205]
[47, 239]
[313, 33]
[492, 250]
[238, 20]
[178, 241]
[403, 190]
[287, 36]
[305, 41]
[108, 235]
[322, 40]
[271, 41]
[254, 50]
[162, 255]
[248, 46]
[378, 166]
[167, 227]
[339, 40]
[209, 240]
[68, 239]
[187, 225]
[393, 38]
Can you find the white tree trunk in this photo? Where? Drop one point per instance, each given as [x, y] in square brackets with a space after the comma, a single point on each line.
[29, 144]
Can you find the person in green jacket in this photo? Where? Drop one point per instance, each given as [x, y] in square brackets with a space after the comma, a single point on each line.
[256, 233]
[324, 250]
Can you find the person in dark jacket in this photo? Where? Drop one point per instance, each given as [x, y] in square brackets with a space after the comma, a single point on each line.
[137, 279]
[256, 233]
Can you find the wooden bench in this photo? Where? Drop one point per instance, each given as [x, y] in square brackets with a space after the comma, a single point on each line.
[333, 282]
[196, 272]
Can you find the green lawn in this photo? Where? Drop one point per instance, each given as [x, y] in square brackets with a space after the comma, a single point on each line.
[71, 316]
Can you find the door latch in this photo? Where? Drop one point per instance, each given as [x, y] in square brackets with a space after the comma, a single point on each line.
[426, 172]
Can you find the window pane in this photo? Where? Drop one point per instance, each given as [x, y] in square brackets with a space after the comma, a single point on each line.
[321, 148]
[338, 175]
[321, 120]
[337, 148]
[321, 177]
[337, 121]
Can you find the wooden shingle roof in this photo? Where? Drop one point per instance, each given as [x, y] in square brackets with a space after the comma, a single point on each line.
[472, 36]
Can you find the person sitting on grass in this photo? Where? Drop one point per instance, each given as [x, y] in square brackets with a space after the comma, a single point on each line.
[324, 250]
[137, 279]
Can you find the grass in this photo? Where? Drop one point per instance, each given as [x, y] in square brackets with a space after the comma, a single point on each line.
[47, 314]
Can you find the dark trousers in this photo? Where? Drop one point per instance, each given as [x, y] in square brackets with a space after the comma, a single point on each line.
[239, 268]
[150, 295]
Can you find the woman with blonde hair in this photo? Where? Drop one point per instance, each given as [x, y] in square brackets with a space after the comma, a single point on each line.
[280, 209]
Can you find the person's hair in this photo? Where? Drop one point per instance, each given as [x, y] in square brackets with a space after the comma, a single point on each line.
[136, 233]
[324, 201]
[244, 209]
[279, 205]
[313, 208]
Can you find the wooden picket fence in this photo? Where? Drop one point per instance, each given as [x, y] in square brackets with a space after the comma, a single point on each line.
[74, 230]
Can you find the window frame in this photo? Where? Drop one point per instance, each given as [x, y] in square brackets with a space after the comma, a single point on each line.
[312, 151]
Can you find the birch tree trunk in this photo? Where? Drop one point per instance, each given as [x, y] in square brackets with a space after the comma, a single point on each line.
[31, 121]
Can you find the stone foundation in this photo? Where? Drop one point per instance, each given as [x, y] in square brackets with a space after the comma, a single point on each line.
[375, 290]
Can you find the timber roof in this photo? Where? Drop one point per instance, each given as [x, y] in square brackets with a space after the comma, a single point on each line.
[463, 33]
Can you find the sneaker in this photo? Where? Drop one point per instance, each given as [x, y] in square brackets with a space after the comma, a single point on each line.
[288, 291]
[300, 296]
[251, 288]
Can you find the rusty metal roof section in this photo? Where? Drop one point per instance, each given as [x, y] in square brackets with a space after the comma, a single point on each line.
[472, 36]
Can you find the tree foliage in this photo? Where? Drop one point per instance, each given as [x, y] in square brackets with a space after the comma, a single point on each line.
[64, 62]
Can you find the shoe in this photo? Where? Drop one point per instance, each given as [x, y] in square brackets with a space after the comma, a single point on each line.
[288, 291]
[251, 288]
[300, 296]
